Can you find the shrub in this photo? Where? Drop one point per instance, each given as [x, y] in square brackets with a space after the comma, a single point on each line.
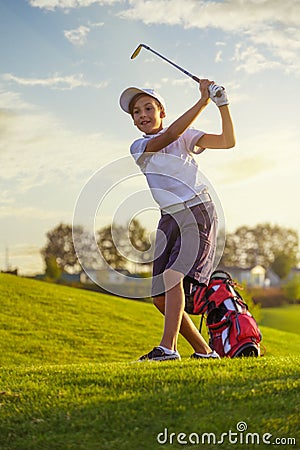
[254, 308]
[292, 289]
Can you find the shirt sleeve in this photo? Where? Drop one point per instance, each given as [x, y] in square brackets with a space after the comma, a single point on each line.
[137, 150]
[191, 137]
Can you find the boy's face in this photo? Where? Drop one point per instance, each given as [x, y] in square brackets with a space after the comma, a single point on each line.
[147, 115]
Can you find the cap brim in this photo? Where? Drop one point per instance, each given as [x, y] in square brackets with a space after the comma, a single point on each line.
[128, 95]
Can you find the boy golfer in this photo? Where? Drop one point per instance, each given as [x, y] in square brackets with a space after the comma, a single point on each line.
[186, 234]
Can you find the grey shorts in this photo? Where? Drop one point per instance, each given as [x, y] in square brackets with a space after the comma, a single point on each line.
[185, 242]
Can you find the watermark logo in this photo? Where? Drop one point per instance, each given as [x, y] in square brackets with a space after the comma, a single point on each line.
[241, 426]
[239, 436]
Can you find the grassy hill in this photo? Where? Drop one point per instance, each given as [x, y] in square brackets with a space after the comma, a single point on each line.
[67, 381]
[285, 318]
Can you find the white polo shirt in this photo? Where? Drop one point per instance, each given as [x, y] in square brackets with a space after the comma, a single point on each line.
[172, 173]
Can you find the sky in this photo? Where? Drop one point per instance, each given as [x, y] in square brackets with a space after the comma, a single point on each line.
[63, 66]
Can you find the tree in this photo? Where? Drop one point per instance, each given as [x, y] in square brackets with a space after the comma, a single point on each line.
[60, 246]
[283, 264]
[53, 271]
[111, 242]
[259, 245]
[141, 251]
[86, 248]
[125, 247]
[292, 289]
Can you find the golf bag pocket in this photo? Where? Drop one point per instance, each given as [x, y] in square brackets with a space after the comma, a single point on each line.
[219, 336]
[236, 335]
[195, 300]
[245, 335]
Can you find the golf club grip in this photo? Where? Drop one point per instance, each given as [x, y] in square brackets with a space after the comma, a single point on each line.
[218, 93]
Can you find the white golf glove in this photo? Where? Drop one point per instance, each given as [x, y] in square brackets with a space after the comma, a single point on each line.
[218, 95]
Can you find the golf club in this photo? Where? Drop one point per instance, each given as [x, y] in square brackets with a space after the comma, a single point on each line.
[139, 48]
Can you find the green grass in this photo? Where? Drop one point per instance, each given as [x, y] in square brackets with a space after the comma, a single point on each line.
[286, 318]
[66, 379]
[45, 323]
[125, 406]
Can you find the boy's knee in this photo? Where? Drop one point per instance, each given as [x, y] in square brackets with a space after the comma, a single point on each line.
[173, 279]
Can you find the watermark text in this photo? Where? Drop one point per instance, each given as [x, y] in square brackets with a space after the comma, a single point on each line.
[238, 436]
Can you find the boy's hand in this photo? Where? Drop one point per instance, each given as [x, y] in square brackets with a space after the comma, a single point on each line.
[221, 99]
[204, 89]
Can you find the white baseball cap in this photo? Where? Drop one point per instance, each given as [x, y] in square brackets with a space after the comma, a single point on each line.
[130, 92]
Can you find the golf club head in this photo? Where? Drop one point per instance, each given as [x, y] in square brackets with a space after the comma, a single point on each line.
[136, 51]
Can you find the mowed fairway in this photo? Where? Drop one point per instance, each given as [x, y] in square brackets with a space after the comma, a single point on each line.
[286, 318]
[68, 382]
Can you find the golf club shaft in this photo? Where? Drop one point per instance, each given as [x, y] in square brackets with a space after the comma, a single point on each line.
[138, 49]
[173, 64]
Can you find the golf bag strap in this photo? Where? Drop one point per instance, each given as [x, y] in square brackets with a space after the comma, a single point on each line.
[201, 323]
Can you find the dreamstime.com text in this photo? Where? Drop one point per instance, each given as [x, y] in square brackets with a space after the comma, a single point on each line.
[240, 436]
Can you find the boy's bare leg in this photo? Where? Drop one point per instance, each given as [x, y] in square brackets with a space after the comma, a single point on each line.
[174, 308]
[176, 320]
[187, 328]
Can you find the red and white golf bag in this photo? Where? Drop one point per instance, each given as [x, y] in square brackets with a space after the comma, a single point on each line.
[233, 331]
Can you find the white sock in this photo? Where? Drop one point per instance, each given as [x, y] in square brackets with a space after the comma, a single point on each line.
[207, 355]
[167, 350]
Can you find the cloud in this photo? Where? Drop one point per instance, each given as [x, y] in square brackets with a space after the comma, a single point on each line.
[54, 155]
[284, 43]
[271, 25]
[53, 152]
[256, 157]
[56, 81]
[5, 197]
[250, 60]
[23, 250]
[30, 212]
[229, 15]
[78, 36]
[5, 118]
[270, 28]
[51, 5]
[10, 102]
[247, 167]
[218, 57]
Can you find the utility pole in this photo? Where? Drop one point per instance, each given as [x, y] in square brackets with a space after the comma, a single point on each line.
[7, 259]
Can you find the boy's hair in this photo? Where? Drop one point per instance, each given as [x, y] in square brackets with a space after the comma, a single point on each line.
[135, 99]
